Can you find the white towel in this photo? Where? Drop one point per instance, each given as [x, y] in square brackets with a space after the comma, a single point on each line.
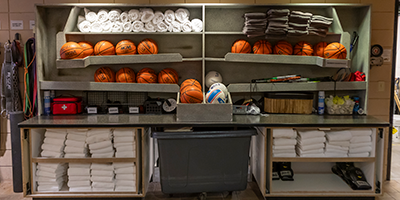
[121, 144]
[365, 154]
[311, 146]
[360, 139]
[121, 188]
[125, 170]
[137, 26]
[102, 15]
[79, 131]
[104, 150]
[149, 27]
[75, 155]
[182, 15]
[71, 149]
[187, 26]
[107, 26]
[114, 15]
[97, 172]
[286, 133]
[361, 132]
[334, 154]
[76, 137]
[299, 151]
[101, 145]
[79, 165]
[79, 178]
[338, 135]
[125, 183]
[123, 165]
[284, 151]
[311, 140]
[49, 188]
[125, 154]
[336, 151]
[124, 133]
[80, 189]
[361, 149]
[54, 134]
[169, 17]
[103, 184]
[74, 143]
[102, 178]
[175, 27]
[102, 189]
[125, 177]
[162, 27]
[158, 17]
[284, 141]
[329, 146]
[125, 17]
[310, 134]
[341, 143]
[126, 148]
[127, 26]
[147, 14]
[90, 15]
[46, 153]
[124, 139]
[51, 170]
[52, 165]
[99, 138]
[356, 145]
[54, 141]
[85, 26]
[197, 25]
[284, 154]
[78, 183]
[102, 166]
[78, 172]
[283, 147]
[312, 155]
[52, 147]
[103, 155]
[133, 15]
[117, 27]
[45, 179]
[49, 174]
[92, 132]
[56, 130]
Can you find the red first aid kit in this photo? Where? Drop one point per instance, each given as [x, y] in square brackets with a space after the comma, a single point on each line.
[67, 105]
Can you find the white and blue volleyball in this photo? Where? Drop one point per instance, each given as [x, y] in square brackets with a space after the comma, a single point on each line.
[220, 86]
[216, 96]
[213, 77]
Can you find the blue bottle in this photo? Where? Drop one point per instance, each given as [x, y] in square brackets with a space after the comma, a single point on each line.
[47, 103]
[356, 105]
[321, 102]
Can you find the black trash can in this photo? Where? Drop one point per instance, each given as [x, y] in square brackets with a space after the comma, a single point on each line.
[203, 161]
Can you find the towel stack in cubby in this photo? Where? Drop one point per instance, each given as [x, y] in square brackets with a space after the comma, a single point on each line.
[337, 143]
[50, 177]
[298, 23]
[278, 23]
[75, 145]
[125, 176]
[255, 24]
[79, 177]
[310, 143]
[100, 143]
[102, 177]
[124, 143]
[360, 143]
[284, 143]
[319, 25]
[54, 143]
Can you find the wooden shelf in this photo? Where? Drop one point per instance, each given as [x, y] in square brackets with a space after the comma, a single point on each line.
[81, 160]
[323, 159]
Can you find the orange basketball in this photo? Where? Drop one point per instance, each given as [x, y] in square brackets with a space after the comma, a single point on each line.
[147, 46]
[191, 94]
[241, 46]
[168, 75]
[125, 47]
[146, 77]
[319, 49]
[146, 69]
[104, 48]
[283, 48]
[71, 50]
[262, 47]
[87, 48]
[335, 50]
[190, 82]
[125, 75]
[104, 74]
[303, 49]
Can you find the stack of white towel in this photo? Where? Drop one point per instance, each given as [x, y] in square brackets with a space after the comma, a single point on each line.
[360, 143]
[79, 177]
[310, 143]
[50, 176]
[277, 23]
[255, 24]
[138, 20]
[284, 143]
[75, 145]
[102, 177]
[299, 23]
[124, 143]
[337, 143]
[125, 177]
[100, 143]
[319, 25]
[54, 143]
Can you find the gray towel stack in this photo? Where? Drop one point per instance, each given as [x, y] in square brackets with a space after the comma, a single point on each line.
[278, 23]
[319, 25]
[299, 23]
[255, 24]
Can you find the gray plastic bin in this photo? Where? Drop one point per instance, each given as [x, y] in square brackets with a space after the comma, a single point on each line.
[206, 161]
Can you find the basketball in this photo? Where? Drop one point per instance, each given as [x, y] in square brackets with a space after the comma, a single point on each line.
[104, 74]
[213, 77]
[335, 50]
[216, 96]
[262, 47]
[87, 48]
[319, 49]
[168, 75]
[146, 77]
[191, 94]
[71, 50]
[125, 75]
[146, 69]
[125, 47]
[241, 46]
[220, 86]
[147, 46]
[303, 49]
[283, 48]
[104, 48]
[190, 82]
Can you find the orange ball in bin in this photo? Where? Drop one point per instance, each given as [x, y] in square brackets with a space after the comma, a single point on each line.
[191, 94]
[71, 50]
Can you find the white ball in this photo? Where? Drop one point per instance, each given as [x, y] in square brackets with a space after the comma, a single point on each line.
[220, 86]
[216, 96]
[213, 77]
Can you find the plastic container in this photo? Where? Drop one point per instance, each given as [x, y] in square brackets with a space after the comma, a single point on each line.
[204, 161]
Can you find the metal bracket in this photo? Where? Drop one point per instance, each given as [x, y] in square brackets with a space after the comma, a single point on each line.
[380, 132]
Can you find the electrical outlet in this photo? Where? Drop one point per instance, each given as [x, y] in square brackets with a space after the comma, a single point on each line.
[381, 86]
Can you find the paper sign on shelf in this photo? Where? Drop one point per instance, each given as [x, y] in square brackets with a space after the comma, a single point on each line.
[17, 25]
[31, 24]
[386, 55]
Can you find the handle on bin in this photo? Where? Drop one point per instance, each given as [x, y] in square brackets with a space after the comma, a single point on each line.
[203, 134]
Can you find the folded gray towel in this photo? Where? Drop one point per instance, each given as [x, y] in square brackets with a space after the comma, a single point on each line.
[280, 12]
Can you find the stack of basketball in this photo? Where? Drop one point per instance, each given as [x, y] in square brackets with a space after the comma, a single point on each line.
[191, 91]
[145, 75]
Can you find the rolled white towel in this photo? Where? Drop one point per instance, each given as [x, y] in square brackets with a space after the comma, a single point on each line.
[130, 138]
[102, 15]
[80, 19]
[125, 176]
[90, 15]
[123, 165]
[103, 155]
[107, 26]
[147, 14]
[117, 27]
[197, 25]
[114, 15]
[137, 26]
[124, 17]
[129, 154]
[127, 26]
[96, 27]
[162, 27]
[176, 26]
[169, 17]
[134, 15]
[182, 15]
[186, 26]
[149, 27]
[158, 17]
